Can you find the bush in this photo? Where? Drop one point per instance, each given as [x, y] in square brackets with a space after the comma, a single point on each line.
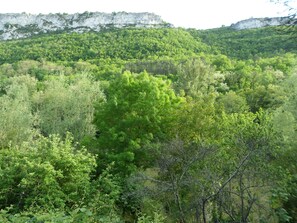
[49, 175]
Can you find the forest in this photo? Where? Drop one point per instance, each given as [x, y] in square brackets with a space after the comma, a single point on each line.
[149, 125]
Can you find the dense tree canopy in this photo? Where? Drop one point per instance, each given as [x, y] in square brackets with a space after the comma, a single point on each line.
[149, 125]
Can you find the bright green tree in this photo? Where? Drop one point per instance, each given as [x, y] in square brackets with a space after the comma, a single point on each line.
[138, 110]
[51, 174]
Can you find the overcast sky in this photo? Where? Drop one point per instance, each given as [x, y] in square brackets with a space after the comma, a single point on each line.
[200, 14]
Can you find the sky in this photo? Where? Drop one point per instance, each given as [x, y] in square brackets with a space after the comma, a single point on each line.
[199, 14]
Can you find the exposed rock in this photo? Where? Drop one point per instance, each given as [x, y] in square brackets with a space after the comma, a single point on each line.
[259, 23]
[21, 25]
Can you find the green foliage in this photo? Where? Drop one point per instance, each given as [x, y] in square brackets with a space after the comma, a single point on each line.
[223, 179]
[270, 97]
[66, 105]
[137, 111]
[195, 120]
[285, 124]
[233, 103]
[51, 174]
[195, 78]
[156, 218]
[178, 125]
[51, 182]
[246, 44]
[157, 67]
[122, 43]
[33, 68]
[17, 119]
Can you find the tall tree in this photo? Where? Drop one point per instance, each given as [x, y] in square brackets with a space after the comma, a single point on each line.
[285, 122]
[17, 120]
[138, 110]
[67, 105]
[221, 180]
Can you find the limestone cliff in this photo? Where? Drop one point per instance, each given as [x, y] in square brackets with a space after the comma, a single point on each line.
[21, 25]
[259, 23]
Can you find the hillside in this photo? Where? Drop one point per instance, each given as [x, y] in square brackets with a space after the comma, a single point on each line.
[55, 43]
[249, 43]
[129, 119]
[115, 44]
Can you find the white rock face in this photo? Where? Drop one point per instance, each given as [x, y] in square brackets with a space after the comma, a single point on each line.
[259, 23]
[21, 25]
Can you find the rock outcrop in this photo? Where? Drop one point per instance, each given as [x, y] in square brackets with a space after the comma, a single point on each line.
[22, 25]
[259, 23]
